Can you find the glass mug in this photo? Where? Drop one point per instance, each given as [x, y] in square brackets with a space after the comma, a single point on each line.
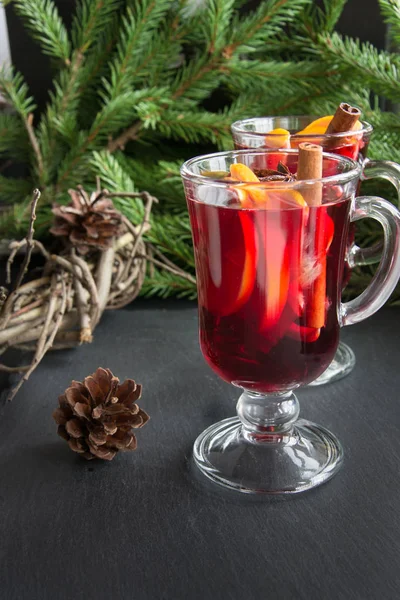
[253, 133]
[258, 299]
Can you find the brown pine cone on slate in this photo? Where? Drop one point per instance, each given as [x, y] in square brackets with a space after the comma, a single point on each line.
[88, 223]
[96, 417]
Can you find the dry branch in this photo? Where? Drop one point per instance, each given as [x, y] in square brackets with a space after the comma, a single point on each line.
[61, 308]
[29, 240]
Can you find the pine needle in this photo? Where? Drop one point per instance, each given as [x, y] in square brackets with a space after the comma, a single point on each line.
[135, 91]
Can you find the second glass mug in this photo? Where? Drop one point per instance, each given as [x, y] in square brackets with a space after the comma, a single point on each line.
[253, 265]
[253, 133]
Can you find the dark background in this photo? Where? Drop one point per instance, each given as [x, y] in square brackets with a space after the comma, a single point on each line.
[145, 527]
[361, 18]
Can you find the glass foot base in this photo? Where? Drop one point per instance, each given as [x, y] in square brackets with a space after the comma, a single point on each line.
[274, 464]
[342, 364]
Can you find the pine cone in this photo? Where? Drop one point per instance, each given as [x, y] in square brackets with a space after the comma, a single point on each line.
[96, 417]
[87, 222]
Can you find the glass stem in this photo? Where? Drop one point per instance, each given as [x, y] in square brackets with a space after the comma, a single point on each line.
[266, 416]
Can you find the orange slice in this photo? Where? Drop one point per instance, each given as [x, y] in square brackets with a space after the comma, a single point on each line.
[279, 199]
[240, 172]
[292, 198]
[277, 276]
[278, 257]
[255, 196]
[317, 127]
[278, 138]
[250, 261]
[243, 173]
[226, 256]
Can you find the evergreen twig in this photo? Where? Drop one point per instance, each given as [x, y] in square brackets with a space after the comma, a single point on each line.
[133, 84]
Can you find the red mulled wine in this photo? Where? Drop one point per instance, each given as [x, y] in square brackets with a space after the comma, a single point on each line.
[268, 310]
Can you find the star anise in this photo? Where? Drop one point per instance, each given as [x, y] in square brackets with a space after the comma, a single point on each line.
[282, 173]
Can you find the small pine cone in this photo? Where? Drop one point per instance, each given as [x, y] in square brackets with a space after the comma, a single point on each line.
[88, 223]
[96, 417]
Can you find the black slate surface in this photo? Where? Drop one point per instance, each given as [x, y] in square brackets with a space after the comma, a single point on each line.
[143, 527]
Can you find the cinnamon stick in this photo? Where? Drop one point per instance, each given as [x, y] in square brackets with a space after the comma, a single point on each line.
[344, 119]
[310, 167]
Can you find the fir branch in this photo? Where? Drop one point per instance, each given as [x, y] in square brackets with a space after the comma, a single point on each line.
[332, 12]
[196, 126]
[66, 89]
[197, 79]
[91, 18]
[16, 220]
[146, 76]
[322, 17]
[111, 174]
[246, 104]
[126, 136]
[266, 21]
[323, 98]
[376, 69]
[162, 177]
[95, 68]
[46, 26]
[291, 70]
[315, 97]
[151, 70]
[161, 55]
[13, 137]
[297, 77]
[114, 115]
[165, 284]
[147, 105]
[172, 235]
[381, 150]
[13, 190]
[8, 222]
[391, 12]
[62, 112]
[217, 23]
[137, 30]
[114, 178]
[73, 165]
[388, 121]
[15, 90]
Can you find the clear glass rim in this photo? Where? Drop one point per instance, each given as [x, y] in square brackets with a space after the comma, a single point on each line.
[237, 127]
[187, 172]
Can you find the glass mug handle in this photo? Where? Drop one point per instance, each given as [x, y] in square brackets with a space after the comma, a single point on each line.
[388, 272]
[382, 169]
